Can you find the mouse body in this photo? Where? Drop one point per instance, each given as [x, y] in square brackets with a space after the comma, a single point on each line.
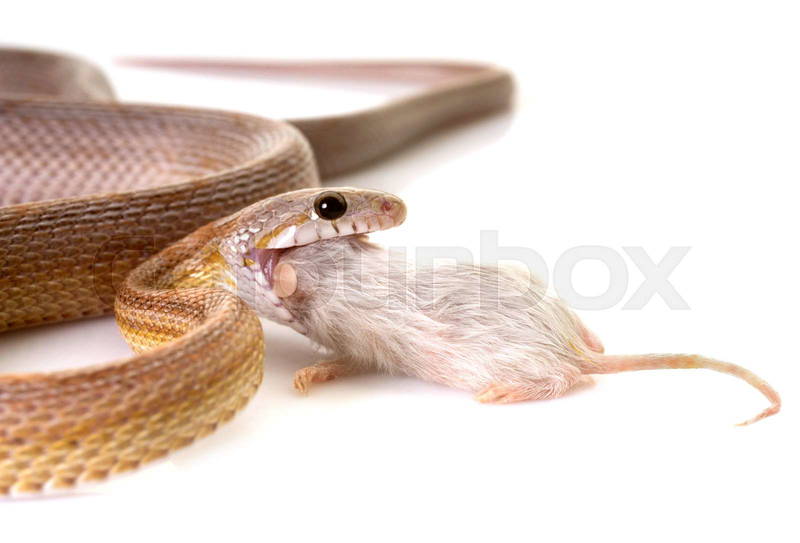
[491, 330]
[302, 259]
[486, 330]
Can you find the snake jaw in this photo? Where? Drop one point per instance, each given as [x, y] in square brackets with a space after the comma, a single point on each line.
[316, 230]
[312, 231]
[265, 260]
[261, 233]
[265, 300]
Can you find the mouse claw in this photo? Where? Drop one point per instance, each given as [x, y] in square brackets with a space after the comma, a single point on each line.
[319, 373]
[301, 382]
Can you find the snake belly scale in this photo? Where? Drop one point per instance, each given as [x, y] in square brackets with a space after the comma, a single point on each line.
[91, 188]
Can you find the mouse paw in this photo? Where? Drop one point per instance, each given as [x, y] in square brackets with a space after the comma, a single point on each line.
[501, 394]
[318, 373]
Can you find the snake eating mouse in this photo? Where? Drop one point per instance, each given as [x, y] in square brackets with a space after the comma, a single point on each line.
[108, 205]
[491, 330]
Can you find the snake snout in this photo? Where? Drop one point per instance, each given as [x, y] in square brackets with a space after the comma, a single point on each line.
[394, 208]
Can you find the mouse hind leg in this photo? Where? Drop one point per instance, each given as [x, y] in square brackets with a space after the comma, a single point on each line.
[544, 388]
[590, 339]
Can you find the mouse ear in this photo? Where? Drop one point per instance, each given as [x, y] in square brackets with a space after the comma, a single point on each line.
[284, 280]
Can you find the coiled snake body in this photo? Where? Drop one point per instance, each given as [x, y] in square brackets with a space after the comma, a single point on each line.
[91, 188]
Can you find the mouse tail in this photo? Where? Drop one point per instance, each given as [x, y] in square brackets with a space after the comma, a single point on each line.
[599, 363]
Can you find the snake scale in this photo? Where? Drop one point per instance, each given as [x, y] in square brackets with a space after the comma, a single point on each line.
[108, 203]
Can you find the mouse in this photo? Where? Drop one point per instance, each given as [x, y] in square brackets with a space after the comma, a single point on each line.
[493, 331]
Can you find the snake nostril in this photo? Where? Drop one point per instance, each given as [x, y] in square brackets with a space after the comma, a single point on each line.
[387, 205]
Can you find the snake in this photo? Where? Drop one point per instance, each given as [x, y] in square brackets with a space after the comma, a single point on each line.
[147, 211]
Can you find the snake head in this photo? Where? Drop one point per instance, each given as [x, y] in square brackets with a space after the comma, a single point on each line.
[254, 238]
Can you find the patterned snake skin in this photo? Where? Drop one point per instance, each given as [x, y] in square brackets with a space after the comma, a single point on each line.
[91, 188]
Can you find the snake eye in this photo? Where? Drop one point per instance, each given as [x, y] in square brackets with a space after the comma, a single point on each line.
[330, 205]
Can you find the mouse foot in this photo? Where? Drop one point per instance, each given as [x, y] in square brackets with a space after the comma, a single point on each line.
[319, 373]
[502, 394]
[536, 389]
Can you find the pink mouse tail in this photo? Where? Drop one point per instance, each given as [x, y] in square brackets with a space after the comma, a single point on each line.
[600, 363]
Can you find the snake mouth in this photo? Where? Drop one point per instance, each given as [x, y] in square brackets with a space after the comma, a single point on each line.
[266, 260]
[387, 213]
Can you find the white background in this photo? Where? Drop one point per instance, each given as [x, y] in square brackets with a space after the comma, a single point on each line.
[637, 123]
